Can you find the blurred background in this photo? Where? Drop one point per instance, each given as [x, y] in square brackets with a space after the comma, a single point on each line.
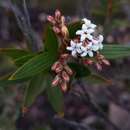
[113, 19]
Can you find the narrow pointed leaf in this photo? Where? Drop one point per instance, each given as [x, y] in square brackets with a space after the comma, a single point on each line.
[37, 64]
[36, 86]
[55, 98]
[116, 51]
[13, 53]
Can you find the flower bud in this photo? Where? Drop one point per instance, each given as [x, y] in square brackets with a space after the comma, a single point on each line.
[56, 80]
[64, 31]
[99, 67]
[88, 62]
[65, 76]
[59, 68]
[106, 62]
[63, 86]
[51, 19]
[55, 65]
[57, 14]
[56, 30]
[68, 70]
[64, 56]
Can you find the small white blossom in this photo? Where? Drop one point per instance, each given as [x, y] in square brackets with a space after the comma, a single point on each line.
[75, 48]
[93, 43]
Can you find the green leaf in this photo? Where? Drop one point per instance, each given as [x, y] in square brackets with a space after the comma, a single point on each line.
[36, 86]
[37, 64]
[13, 53]
[73, 27]
[97, 79]
[55, 98]
[80, 70]
[115, 51]
[51, 41]
[4, 83]
[20, 61]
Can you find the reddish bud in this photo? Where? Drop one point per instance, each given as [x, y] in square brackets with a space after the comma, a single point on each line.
[51, 19]
[56, 80]
[59, 68]
[64, 31]
[63, 86]
[68, 70]
[57, 14]
[88, 62]
[65, 76]
[55, 65]
[56, 30]
[106, 62]
[99, 67]
[64, 56]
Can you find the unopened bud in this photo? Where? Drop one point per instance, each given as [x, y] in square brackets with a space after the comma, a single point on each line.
[56, 30]
[99, 67]
[57, 14]
[65, 76]
[59, 68]
[68, 70]
[55, 65]
[65, 56]
[51, 19]
[88, 62]
[106, 62]
[63, 86]
[64, 31]
[56, 80]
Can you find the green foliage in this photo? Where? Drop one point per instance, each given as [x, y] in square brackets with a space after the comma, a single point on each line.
[55, 98]
[73, 27]
[51, 41]
[36, 86]
[37, 64]
[13, 53]
[115, 51]
[80, 70]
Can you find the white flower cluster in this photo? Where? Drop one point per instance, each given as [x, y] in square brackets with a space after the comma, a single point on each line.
[88, 43]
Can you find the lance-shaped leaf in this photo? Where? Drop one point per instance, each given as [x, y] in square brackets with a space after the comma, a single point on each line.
[73, 27]
[80, 70]
[55, 98]
[37, 64]
[13, 53]
[115, 51]
[36, 86]
[51, 41]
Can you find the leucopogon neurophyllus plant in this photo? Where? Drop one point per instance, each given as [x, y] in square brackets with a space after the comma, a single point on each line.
[68, 51]
[85, 46]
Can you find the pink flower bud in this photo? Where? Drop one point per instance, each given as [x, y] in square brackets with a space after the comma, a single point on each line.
[56, 30]
[55, 65]
[63, 86]
[88, 62]
[65, 76]
[59, 68]
[68, 70]
[64, 56]
[57, 14]
[56, 80]
[99, 67]
[51, 19]
[106, 62]
[64, 31]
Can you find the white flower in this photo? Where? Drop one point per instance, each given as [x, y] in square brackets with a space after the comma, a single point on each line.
[97, 43]
[86, 50]
[75, 48]
[84, 35]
